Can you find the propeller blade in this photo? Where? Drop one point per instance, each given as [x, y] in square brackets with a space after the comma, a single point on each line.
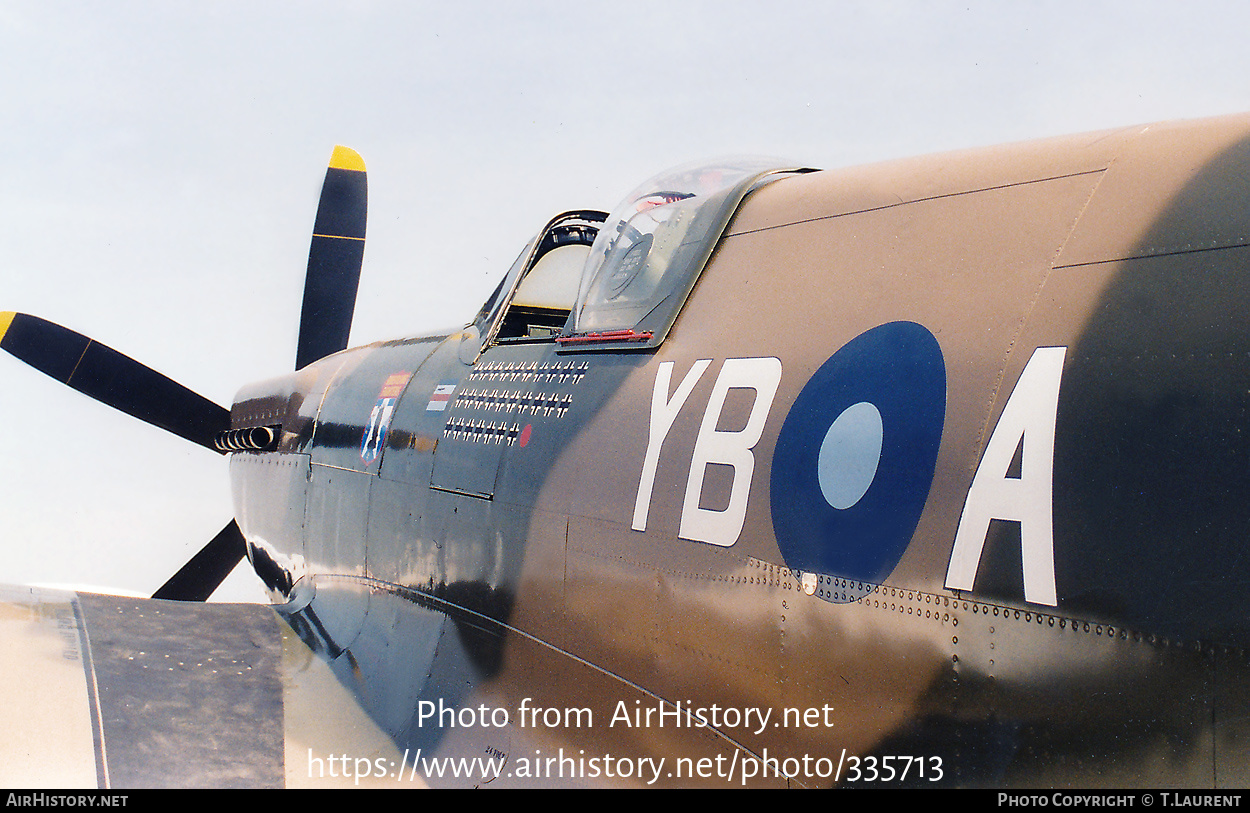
[338, 246]
[110, 377]
[207, 569]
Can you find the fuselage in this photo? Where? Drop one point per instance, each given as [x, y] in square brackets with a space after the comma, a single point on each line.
[943, 458]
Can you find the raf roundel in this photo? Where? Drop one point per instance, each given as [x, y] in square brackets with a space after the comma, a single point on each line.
[856, 455]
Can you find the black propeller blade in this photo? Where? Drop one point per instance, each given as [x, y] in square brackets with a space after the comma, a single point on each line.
[112, 378]
[207, 569]
[338, 246]
[115, 379]
[121, 382]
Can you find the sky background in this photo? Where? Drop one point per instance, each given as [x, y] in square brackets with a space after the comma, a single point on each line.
[161, 163]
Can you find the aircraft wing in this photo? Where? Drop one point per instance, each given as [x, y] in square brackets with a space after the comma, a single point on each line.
[116, 692]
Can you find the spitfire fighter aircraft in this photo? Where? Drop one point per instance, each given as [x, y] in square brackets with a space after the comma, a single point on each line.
[934, 472]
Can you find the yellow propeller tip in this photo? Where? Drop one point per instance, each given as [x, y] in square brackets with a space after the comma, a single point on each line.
[6, 319]
[347, 158]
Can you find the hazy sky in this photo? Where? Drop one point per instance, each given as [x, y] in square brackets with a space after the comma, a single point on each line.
[161, 163]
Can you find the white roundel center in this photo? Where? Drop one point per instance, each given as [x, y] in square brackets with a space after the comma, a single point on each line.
[849, 455]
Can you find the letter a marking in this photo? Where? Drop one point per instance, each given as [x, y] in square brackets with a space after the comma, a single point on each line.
[1029, 418]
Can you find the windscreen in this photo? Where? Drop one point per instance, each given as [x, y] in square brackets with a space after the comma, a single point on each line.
[652, 248]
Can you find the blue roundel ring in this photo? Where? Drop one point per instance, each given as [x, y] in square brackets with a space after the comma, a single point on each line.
[855, 458]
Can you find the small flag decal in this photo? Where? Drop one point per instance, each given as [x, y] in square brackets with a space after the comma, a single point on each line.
[440, 398]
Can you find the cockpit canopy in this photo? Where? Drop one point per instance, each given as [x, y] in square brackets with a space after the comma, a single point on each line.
[644, 260]
[652, 248]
